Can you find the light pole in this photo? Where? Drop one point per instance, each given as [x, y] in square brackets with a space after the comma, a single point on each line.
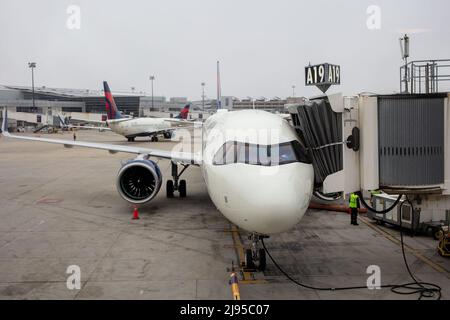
[203, 95]
[293, 91]
[152, 78]
[32, 65]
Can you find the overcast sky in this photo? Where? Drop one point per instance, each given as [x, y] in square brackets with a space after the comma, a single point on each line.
[263, 46]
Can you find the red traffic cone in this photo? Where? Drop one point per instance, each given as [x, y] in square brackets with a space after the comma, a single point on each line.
[135, 214]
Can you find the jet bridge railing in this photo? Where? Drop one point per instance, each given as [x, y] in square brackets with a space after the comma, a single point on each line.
[425, 76]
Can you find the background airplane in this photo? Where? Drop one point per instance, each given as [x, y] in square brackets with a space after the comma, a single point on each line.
[140, 127]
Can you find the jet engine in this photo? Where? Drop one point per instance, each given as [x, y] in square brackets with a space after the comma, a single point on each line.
[139, 180]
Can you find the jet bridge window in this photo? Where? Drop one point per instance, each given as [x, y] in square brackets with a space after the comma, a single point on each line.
[262, 155]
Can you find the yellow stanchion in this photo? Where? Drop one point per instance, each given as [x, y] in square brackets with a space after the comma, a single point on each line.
[235, 286]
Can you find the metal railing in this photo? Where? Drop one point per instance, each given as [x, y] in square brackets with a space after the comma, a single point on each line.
[425, 76]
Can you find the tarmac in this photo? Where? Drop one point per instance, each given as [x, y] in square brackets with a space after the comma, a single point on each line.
[59, 207]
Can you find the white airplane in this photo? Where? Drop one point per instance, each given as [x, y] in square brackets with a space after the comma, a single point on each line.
[140, 127]
[261, 182]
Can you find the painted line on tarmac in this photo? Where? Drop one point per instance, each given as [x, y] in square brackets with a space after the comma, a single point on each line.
[408, 248]
[238, 245]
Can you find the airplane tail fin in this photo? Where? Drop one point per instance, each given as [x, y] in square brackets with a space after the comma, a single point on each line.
[184, 112]
[111, 108]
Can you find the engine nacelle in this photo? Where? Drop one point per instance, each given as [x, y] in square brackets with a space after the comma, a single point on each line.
[139, 181]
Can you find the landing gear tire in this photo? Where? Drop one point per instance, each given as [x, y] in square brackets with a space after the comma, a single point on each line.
[249, 264]
[176, 184]
[262, 260]
[255, 257]
[169, 188]
[167, 135]
[130, 139]
[182, 189]
[438, 234]
[154, 139]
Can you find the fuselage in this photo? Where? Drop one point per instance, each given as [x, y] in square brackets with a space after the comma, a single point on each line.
[139, 126]
[256, 170]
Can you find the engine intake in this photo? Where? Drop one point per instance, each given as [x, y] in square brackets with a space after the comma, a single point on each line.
[139, 181]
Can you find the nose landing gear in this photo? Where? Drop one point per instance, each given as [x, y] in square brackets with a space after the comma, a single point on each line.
[255, 257]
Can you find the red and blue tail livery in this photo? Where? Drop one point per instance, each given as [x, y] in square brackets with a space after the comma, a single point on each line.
[184, 112]
[111, 108]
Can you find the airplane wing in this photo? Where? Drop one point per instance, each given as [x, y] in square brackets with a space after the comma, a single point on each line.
[181, 157]
[91, 128]
[89, 121]
[184, 123]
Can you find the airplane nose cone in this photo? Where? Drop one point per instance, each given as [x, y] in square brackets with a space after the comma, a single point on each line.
[270, 199]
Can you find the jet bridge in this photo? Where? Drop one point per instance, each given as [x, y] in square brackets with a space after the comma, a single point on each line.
[396, 143]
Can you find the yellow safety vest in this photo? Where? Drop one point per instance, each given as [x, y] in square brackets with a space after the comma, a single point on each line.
[353, 201]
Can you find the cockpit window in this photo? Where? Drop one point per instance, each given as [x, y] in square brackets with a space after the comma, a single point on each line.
[262, 155]
[230, 152]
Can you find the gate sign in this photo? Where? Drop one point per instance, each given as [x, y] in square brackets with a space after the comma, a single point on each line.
[322, 75]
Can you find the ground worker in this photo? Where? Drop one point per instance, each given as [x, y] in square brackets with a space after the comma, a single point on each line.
[354, 206]
[74, 136]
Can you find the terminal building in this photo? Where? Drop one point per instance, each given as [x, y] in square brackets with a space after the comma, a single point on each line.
[51, 101]
[63, 100]
[90, 104]
[90, 101]
[273, 105]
